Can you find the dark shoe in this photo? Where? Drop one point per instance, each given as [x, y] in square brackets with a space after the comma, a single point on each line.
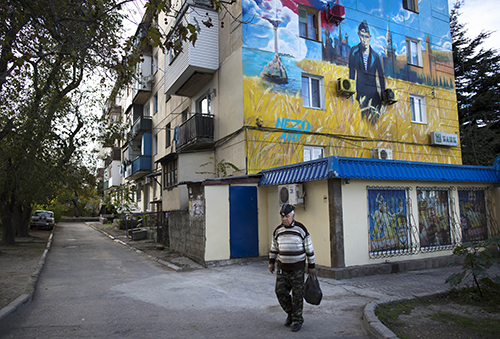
[296, 327]
[288, 321]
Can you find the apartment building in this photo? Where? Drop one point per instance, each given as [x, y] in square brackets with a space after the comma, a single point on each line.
[337, 107]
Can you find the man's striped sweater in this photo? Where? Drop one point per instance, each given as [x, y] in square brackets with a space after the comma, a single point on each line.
[290, 246]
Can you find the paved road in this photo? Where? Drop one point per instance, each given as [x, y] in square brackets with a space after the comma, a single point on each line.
[92, 287]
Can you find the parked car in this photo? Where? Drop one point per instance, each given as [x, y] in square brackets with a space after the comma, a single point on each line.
[42, 219]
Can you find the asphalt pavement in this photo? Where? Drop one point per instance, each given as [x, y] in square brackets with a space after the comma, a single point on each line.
[94, 287]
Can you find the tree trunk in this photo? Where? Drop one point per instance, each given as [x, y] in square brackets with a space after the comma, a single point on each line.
[8, 230]
[21, 219]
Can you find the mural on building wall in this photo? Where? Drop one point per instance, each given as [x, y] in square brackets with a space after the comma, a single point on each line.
[433, 217]
[388, 220]
[473, 215]
[371, 43]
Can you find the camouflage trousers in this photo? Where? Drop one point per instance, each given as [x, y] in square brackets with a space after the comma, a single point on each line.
[287, 281]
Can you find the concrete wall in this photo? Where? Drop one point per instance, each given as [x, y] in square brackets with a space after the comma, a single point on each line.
[356, 225]
[313, 214]
[217, 223]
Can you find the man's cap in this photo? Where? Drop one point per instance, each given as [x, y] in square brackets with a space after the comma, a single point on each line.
[363, 27]
[286, 209]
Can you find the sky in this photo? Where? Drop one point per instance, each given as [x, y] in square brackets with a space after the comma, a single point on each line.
[481, 15]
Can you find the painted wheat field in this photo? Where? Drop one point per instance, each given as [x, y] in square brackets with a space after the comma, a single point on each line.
[339, 128]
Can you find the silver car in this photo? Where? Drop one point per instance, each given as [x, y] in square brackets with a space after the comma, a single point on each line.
[42, 219]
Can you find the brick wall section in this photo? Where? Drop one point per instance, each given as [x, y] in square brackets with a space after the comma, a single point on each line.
[186, 229]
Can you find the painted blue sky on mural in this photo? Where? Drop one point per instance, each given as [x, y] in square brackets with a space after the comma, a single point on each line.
[432, 20]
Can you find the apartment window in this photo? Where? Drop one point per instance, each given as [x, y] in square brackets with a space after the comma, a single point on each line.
[414, 52]
[155, 144]
[313, 91]
[170, 174]
[139, 192]
[417, 107]
[155, 103]
[155, 63]
[184, 116]
[308, 23]
[204, 104]
[167, 136]
[313, 153]
[411, 5]
[147, 110]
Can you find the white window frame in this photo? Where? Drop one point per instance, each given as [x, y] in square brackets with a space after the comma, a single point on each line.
[313, 153]
[414, 52]
[307, 98]
[309, 23]
[155, 63]
[417, 109]
[155, 103]
[155, 144]
[146, 110]
[207, 97]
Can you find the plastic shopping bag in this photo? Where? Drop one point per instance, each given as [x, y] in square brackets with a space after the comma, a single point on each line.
[312, 291]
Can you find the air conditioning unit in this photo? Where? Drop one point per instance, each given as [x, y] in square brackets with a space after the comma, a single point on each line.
[292, 194]
[389, 96]
[335, 13]
[345, 87]
[382, 153]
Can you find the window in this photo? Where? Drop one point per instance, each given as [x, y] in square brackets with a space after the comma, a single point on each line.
[434, 217]
[417, 107]
[204, 104]
[155, 63]
[308, 23]
[313, 153]
[184, 115]
[155, 144]
[155, 103]
[147, 110]
[413, 52]
[168, 137]
[411, 5]
[313, 91]
[170, 174]
[139, 192]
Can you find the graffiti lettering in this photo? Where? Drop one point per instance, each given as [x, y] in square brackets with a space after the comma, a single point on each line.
[293, 125]
[290, 136]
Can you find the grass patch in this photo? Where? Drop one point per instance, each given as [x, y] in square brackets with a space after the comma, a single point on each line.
[483, 327]
[389, 313]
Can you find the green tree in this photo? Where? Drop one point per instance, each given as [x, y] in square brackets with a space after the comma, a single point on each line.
[48, 47]
[477, 80]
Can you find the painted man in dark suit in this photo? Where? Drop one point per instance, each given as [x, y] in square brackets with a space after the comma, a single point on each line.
[366, 67]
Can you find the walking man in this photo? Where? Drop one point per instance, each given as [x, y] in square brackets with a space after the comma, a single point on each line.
[291, 245]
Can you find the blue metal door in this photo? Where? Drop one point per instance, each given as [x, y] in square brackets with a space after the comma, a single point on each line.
[243, 222]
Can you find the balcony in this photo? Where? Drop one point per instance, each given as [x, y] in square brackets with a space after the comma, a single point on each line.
[194, 66]
[144, 82]
[138, 168]
[196, 133]
[141, 125]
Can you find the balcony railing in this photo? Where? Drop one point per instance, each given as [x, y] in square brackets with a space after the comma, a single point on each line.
[196, 133]
[141, 125]
[138, 168]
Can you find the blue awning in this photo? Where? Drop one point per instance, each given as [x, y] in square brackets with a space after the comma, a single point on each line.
[375, 169]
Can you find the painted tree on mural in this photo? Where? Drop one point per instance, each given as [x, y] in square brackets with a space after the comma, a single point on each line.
[477, 78]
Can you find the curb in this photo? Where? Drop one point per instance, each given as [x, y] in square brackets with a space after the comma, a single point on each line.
[162, 262]
[25, 299]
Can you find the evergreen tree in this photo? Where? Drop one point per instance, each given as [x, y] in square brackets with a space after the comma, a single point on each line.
[477, 80]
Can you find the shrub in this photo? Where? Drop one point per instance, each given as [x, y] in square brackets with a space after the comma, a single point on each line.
[479, 258]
